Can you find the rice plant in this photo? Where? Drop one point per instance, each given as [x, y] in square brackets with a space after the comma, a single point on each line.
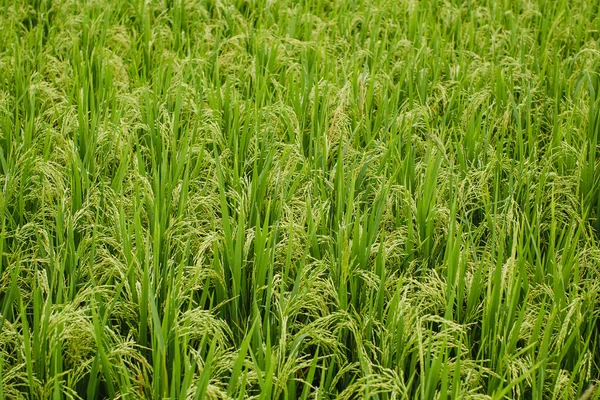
[313, 199]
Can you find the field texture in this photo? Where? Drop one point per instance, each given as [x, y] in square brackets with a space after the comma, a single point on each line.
[355, 199]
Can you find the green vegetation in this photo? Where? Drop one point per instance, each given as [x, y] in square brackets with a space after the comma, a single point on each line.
[357, 199]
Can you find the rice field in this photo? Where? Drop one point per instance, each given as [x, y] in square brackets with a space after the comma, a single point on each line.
[300, 199]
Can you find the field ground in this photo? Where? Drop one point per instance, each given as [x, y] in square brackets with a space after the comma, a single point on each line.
[386, 199]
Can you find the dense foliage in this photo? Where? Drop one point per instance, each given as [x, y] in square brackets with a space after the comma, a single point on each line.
[383, 199]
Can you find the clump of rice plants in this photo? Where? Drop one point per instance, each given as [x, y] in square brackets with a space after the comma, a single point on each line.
[315, 199]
